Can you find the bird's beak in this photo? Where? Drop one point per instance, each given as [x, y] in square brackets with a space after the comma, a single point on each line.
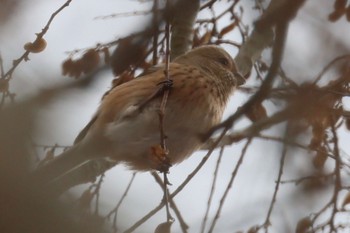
[240, 79]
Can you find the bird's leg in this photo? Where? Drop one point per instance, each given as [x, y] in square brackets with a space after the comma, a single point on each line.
[162, 86]
[159, 157]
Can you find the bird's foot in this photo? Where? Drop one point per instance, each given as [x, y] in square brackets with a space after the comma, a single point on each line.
[160, 159]
[165, 85]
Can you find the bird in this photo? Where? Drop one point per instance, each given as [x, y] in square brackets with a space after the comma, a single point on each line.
[125, 127]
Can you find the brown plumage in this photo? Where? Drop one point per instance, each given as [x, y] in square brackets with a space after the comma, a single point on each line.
[203, 80]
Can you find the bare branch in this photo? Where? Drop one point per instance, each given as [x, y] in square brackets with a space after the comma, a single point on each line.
[229, 185]
[184, 14]
[212, 190]
[277, 54]
[39, 36]
[267, 222]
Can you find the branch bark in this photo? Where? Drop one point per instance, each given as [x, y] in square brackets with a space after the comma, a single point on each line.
[184, 14]
[262, 35]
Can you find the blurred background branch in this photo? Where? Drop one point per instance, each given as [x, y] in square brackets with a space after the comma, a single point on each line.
[313, 105]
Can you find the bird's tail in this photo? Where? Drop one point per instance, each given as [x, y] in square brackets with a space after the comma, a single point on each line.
[60, 165]
[81, 163]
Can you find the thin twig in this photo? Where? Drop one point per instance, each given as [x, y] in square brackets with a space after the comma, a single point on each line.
[212, 190]
[97, 193]
[221, 41]
[200, 165]
[229, 185]
[252, 130]
[24, 57]
[115, 210]
[338, 182]
[337, 188]
[182, 222]
[2, 68]
[155, 32]
[145, 218]
[277, 54]
[126, 14]
[267, 222]
[295, 144]
[2, 101]
[306, 178]
[208, 4]
[161, 115]
[222, 14]
[180, 187]
[329, 65]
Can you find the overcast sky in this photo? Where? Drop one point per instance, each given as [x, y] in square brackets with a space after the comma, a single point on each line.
[76, 27]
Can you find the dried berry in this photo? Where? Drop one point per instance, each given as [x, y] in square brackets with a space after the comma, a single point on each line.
[37, 46]
[256, 112]
[303, 225]
[90, 60]
[334, 16]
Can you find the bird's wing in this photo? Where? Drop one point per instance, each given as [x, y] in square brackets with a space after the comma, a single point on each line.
[84, 131]
[122, 100]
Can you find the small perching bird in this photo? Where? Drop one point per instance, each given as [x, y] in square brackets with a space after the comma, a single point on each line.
[125, 127]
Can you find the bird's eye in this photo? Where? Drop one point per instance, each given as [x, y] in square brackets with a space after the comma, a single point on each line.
[224, 61]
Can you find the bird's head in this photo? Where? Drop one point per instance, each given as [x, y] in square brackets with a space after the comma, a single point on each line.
[214, 61]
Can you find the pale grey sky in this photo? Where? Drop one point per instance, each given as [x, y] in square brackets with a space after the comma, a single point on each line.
[248, 201]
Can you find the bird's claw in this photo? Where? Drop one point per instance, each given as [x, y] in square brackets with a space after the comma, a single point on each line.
[166, 84]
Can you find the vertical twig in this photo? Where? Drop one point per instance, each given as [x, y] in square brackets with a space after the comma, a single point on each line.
[2, 101]
[166, 91]
[180, 187]
[229, 185]
[338, 182]
[173, 205]
[1, 68]
[115, 210]
[169, 218]
[97, 192]
[267, 222]
[155, 32]
[204, 222]
[2, 78]
[161, 114]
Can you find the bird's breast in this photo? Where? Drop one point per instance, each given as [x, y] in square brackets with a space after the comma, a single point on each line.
[197, 99]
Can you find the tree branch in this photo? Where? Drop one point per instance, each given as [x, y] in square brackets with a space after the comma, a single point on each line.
[184, 14]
